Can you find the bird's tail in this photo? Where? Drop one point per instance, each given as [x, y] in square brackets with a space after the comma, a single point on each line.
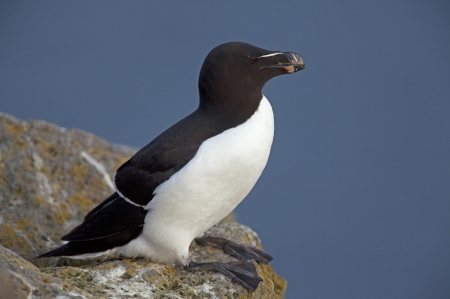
[81, 249]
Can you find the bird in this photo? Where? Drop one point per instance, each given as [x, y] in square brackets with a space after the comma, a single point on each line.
[194, 173]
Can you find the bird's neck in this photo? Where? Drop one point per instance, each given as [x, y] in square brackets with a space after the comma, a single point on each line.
[239, 102]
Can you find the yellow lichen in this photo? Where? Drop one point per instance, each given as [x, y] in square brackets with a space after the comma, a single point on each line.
[62, 215]
[11, 240]
[79, 172]
[25, 224]
[13, 128]
[83, 203]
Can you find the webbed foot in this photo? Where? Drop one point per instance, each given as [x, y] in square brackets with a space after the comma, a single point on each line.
[241, 272]
[237, 250]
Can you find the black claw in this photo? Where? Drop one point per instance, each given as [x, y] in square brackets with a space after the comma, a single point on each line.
[237, 250]
[241, 272]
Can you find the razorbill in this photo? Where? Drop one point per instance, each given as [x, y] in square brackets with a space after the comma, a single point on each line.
[195, 173]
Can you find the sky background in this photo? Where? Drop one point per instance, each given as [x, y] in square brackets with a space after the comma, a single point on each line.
[354, 202]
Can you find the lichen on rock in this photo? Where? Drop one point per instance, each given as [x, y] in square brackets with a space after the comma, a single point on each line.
[19, 279]
[139, 278]
[49, 178]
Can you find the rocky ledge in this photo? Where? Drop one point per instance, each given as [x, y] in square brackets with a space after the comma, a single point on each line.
[50, 178]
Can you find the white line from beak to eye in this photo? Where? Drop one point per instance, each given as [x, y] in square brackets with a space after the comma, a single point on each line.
[268, 55]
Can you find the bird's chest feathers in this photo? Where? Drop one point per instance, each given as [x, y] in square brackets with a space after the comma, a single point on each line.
[237, 156]
[227, 165]
[243, 149]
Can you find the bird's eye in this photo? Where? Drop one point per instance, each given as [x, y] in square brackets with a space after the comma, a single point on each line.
[253, 59]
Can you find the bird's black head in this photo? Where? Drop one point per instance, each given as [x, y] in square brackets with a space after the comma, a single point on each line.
[235, 73]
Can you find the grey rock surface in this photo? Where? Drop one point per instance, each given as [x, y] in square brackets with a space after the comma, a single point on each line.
[139, 278]
[49, 179]
[20, 279]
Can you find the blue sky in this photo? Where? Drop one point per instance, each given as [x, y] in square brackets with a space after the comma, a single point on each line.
[354, 202]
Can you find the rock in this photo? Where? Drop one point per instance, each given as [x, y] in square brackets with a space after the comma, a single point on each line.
[138, 278]
[49, 179]
[20, 279]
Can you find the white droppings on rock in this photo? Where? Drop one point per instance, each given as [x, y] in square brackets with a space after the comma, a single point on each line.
[99, 167]
[100, 278]
[45, 189]
[37, 161]
[119, 287]
[207, 288]
[116, 272]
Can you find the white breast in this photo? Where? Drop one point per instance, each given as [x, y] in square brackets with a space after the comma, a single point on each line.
[204, 191]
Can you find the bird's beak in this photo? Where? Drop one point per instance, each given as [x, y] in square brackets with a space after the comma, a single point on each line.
[295, 63]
